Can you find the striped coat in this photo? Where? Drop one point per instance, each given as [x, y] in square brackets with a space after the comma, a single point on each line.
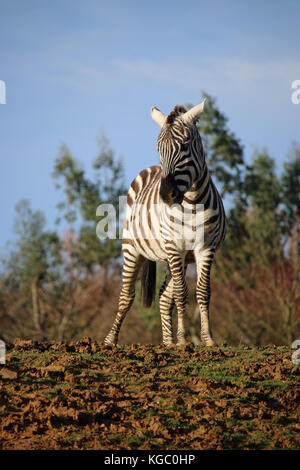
[174, 216]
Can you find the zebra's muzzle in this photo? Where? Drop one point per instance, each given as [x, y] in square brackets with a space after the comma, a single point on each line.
[169, 192]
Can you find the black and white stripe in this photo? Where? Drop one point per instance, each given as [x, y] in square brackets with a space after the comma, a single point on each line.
[156, 198]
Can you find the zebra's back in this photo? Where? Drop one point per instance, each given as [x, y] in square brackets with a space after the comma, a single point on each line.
[141, 227]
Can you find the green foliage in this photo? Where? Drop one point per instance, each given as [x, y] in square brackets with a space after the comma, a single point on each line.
[262, 203]
[34, 261]
[262, 186]
[290, 190]
[272, 204]
[223, 150]
[36, 251]
[82, 196]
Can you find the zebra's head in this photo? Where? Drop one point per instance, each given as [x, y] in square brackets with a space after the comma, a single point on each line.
[181, 151]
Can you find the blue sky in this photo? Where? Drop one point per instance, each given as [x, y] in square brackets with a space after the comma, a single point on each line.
[76, 69]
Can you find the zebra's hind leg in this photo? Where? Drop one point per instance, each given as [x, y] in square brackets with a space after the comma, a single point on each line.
[177, 268]
[132, 264]
[203, 262]
[166, 305]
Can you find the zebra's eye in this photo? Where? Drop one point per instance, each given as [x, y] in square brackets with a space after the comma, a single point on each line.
[173, 194]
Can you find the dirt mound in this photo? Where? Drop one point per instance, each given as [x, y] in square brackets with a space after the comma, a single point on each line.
[84, 395]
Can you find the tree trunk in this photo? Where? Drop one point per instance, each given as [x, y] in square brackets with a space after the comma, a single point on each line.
[35, 304]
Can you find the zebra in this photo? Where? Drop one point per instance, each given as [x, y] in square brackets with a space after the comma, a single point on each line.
[181, 182]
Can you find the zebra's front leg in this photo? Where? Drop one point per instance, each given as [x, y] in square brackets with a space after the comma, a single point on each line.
[132, 264]
[166, 305]
[203, 262]
[177, 269]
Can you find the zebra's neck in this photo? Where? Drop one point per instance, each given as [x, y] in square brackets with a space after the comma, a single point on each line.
[198, 191]
[189, 170]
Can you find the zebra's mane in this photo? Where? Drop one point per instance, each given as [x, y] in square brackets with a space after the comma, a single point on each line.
[175, 113]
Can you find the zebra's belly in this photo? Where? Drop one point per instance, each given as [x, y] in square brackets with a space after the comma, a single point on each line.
[151, 233]
[148, 243]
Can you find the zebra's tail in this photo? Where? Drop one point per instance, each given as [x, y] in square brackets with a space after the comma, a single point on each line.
[148, 282]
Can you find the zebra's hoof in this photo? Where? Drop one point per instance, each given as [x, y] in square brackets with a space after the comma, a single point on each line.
[209, 342]
[181, 342]
[167, 345]
[109, 341]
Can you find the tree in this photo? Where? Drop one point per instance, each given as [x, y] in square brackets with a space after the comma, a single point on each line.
[82, 198]
[223, 150]
[35, 258]
[257, 273]
[290, 194]
[272, 208]
[263, 189]
[256, 292]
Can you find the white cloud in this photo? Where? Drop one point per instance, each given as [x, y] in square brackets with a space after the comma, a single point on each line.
[247, 78]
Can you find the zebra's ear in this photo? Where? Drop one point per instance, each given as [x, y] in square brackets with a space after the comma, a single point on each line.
[158, 116]
[192, 116]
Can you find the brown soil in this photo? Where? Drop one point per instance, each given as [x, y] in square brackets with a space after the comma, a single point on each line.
[84, 395]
